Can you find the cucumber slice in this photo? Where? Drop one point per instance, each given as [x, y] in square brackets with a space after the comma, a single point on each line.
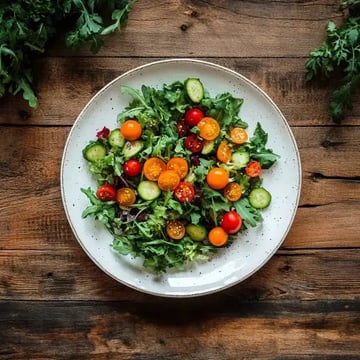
[94, 151]
[194, 89]
[116, 139]
[259, 198]
[196, 232]
[240, 159]
[208, 147]
[148, 190]
[131, 148]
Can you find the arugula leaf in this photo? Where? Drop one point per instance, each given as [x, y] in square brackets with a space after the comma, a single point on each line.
[250, 215]
[258, 150]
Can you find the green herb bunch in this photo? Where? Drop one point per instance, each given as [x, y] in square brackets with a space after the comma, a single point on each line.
[27, 26]
[339, 56]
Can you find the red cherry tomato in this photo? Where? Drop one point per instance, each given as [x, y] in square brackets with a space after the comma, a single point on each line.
[193, 143]
[184, 192]
[253, 168]
[182, 128]
[106, 192]
[132, 167]
[231, 222]
[193, 116]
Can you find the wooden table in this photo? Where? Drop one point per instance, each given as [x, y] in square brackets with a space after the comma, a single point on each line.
[303, 304]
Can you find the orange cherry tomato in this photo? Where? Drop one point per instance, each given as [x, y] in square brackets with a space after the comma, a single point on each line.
[125, 196]
[168, 180]
[233, 191]
[217, 178]
[175, 229]
[209, 128]
[253, 169]
[223, 153]
[131, 130]
[238, 135]
[180, 165]
[153, 167]
[217, 236]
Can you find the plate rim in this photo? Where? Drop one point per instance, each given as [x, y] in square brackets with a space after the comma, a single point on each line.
[250, 83]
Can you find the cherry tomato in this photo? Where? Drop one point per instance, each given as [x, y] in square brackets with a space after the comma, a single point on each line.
[125, 196]
[218, 236]
[106, 192]
[153, 167]
[132, 167]
[238, 135]
[193, 143]
[223, 152]
[168, 180]
[231, 222]
[217, 178]
[209, 128]
[253, 169]
[175, 229]
[178, 164]
[182, 128]
[233, 191]
[131, 130]
[184, 192]
[193, 116]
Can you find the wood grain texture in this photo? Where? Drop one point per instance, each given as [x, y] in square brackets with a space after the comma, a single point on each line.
[220, 28]
[55, 303]
[70, 275]
[35, 218]
[187, 330]
[65, 85]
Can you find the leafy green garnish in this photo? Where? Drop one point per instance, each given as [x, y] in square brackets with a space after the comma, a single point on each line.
[339, 57]
[27, 26]
[139, 230]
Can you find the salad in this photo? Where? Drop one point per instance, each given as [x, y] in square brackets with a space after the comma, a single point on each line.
[180, 177]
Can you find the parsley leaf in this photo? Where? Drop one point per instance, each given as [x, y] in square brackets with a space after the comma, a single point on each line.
[339, 56]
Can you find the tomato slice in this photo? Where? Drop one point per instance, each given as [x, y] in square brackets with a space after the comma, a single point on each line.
[223, 152]
[184, 192]
[125, 196]
[106, 192]
[233, 191]
[178, 164]
[168, 180]
[153, 167]
[182, 128]
[209, 128]
[193, 143]
[253, 168]
[238, 135]
[175, 229]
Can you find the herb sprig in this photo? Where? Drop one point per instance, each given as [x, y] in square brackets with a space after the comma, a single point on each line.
[339, 56]
[27, 26]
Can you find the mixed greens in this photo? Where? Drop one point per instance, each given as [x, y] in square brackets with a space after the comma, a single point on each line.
[179, 177]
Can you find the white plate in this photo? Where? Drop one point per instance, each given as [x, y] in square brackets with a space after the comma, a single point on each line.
[231, 265]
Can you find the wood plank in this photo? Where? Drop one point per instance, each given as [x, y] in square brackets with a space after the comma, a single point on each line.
[180, 330]
[34, 218]
[56, 274]
[221, 29]
[65, 85]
